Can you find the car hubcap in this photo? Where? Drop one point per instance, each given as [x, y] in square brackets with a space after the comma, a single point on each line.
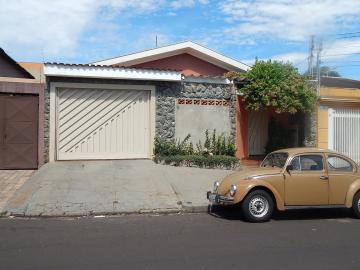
[259, 206]
[359, 204]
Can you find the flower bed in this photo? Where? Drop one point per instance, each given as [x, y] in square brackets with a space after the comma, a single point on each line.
[210, 162]
[216, 152]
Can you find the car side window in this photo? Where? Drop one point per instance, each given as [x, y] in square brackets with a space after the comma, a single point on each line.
[311, 163]
[295, 163]
[339, 164]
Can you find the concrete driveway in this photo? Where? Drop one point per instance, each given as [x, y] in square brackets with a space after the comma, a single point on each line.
[112, 187]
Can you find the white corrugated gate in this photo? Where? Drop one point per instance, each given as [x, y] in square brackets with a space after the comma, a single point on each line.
[102, 124]
[344, 131]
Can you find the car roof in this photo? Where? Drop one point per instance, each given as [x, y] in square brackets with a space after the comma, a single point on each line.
[300, 150]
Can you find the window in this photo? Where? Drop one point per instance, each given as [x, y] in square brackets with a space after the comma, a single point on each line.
[307, 163]
[295, 163]
[339, 164]
[311, 163]
[277, 159]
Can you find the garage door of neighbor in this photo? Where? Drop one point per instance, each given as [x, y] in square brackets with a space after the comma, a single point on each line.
[18, 132]
[344, 131]
[103, 124]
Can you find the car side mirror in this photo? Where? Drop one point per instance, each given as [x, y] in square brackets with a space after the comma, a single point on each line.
[289, 168]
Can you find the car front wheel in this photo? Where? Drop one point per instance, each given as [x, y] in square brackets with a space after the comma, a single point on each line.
[356, 205]
[258, 206]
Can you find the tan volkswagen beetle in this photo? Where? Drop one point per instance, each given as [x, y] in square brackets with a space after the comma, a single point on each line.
[291, 178]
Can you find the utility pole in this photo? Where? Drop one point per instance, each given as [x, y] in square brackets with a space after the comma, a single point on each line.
[311, 57]
[156, 41]
[318, 62]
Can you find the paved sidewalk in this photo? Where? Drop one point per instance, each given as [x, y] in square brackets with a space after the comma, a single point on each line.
[79, 188]
[10, 182]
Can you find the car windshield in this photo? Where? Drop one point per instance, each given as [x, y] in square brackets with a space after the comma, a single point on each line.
[277, 159]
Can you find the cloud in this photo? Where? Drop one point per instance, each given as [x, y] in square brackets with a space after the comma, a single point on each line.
[340, 49]
[292, 57]
[177, 4]
[53, 28]
[293, 20]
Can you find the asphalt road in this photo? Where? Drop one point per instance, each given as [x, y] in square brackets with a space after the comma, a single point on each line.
[297, 240]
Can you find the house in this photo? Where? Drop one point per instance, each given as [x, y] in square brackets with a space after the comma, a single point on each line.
[338, 114]
[114, 108]
[21, 116]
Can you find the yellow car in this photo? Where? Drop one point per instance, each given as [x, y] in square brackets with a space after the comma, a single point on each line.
[291, 178]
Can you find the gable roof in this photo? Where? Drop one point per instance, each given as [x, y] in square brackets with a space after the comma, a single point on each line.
[339, 82]
[12, 69]
[175, 49]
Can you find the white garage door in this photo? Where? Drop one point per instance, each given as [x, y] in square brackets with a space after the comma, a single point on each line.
[344, 130]
[102, 124]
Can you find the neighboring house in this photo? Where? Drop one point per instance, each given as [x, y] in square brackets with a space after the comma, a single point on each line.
[21, 116]
[113, 109]
[339, 116]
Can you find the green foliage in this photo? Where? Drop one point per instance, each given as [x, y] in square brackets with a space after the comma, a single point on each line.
[169, 148]
[216, 145]
[276, 85]
[217, 151]
[199, 161]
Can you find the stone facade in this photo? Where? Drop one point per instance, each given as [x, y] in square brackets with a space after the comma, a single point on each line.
[310, 132]
[166, 95]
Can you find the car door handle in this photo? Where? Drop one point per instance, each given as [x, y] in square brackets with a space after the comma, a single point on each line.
[323, 177]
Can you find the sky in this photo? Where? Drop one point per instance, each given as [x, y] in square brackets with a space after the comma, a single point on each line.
[83, 31]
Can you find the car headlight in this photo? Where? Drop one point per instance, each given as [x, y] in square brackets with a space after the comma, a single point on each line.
[232, 190]
[216, 185]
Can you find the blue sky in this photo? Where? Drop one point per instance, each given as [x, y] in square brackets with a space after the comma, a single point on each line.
[83, 31]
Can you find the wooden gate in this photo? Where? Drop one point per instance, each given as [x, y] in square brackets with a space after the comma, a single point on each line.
[344, 131]
[18, 132]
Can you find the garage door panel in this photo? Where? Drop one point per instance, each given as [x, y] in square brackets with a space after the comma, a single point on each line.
[91, 111]
[344, 130]
[108, 124]
[91, 122]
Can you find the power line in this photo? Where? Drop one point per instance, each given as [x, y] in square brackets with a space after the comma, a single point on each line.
[355, 36]
[334, 61]
[338, 54]
[349, 33]
[343, 66]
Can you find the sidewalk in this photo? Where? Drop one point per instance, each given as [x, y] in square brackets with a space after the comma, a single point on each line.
[10, 182]
[79, 188]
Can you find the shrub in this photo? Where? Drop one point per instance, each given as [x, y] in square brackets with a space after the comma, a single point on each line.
[224, 162]
[216, 152]
[278, 85]
[213, 145]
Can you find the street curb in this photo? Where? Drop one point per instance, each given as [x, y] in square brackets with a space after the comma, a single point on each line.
[165, 211]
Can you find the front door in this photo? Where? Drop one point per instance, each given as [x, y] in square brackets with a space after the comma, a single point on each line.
[18, 132]
[258, 132]
[308, 182]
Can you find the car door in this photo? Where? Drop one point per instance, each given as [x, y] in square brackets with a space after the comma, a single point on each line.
[307, 183]
[341, 173]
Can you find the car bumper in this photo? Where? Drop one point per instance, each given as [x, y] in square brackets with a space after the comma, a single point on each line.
[219, 199]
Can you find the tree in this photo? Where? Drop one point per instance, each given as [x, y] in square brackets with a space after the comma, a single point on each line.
[276, 85]
[325, 71]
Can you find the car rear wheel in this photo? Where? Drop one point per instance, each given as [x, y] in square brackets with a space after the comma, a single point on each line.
[356, 205]
[258, 206]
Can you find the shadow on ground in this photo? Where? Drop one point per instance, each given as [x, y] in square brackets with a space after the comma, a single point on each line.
[234, 213]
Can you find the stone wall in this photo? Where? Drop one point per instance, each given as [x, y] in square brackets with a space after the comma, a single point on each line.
[310, 130]
[166, 95]
[166, 101]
